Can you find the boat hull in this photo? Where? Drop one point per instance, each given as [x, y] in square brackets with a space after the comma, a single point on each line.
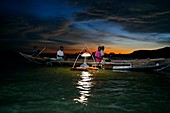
[132, 65]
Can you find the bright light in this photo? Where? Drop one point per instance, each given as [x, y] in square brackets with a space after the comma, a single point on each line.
[85, 54]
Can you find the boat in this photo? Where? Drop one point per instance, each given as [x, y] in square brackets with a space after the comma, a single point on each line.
[37, 60]
[157, 64]
[139, 64]
[46, 60]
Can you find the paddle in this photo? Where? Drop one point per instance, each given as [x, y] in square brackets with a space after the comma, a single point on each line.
[41, 51]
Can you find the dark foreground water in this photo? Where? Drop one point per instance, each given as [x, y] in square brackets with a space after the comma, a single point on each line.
[59, 90]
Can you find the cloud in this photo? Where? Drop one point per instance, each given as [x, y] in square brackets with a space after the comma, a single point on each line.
[73, 23]
[135, 16]
[63, 41]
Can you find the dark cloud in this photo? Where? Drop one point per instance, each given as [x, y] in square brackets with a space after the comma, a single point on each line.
[62, 41]
[76, 22]
[21, 31]
[134, 15]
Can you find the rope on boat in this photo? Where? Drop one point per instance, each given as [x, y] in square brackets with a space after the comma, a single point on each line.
[77, 58]
[86, 47]
[90, 53]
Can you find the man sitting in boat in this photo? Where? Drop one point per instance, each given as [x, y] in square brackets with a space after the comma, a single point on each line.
[60, 54]
[35, 52]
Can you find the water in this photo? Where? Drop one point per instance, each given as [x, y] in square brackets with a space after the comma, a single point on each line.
[59, 90]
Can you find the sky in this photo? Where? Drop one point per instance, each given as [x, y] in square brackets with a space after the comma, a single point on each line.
[122, 26]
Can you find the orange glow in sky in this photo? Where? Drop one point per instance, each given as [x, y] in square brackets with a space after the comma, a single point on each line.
[73, 51]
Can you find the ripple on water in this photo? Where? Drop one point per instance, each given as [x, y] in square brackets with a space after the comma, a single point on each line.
[58, 90]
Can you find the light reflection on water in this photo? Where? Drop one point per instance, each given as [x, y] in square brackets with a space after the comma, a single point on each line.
[58, 90]
[84, 85]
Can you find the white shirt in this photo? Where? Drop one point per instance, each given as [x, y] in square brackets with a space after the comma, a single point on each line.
[102, 53]
[60, 53]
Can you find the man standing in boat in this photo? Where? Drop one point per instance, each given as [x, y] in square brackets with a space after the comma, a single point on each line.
[102, 53]
[60, 54]
[98, 56]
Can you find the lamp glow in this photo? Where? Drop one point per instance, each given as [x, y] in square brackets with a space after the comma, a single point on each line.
[85, 54]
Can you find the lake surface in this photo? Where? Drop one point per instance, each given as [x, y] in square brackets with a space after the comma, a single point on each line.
[59, 90]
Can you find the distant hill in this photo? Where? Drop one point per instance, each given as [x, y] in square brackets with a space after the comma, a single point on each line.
[9, 58]
[158, 53]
